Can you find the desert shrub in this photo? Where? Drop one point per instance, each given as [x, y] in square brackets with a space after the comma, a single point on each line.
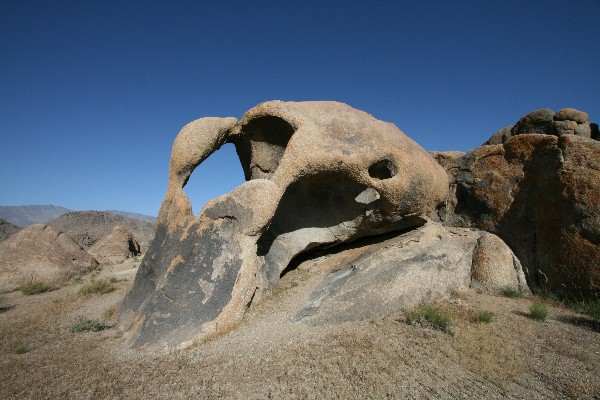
[538, 311]
[89, 325]
[108, 313]
[593, 309]
[21, 349]
[35, 287]
[76, 278]
[429, 315]
[2, 299]
[512, 293]
[96, 286]
[485, 316]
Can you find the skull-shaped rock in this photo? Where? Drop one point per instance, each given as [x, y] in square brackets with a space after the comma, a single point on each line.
[318, 174]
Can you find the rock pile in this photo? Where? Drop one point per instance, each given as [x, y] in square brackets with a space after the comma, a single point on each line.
[39, 252]
[538, 188]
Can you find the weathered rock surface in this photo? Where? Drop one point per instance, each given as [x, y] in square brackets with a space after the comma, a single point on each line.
[319, 174]
[541, 194]
[544, 121]
[115, 247]
[40, 252]
[424, 264]
[7, 229]
[87, 227]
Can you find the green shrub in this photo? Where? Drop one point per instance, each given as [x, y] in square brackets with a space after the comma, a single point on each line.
[485, 316]
[513, 293]
[96, 286]
[538, 311]
[35, 287]
[429, 315]
[593, 309]
[2, 299]
[89, 325]
[21, 349]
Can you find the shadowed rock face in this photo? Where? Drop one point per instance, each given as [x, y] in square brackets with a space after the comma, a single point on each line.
[538, 190]
[319, 174]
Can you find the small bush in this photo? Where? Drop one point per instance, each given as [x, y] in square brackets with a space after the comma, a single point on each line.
[538, 311]
[2, 299]
[429, 315]
[76, 278]
[22, 349]
[485, 316]
[96, 286]
[89, 325]
[108, 313]
[35, 287]
[513, 293]
[593, 309]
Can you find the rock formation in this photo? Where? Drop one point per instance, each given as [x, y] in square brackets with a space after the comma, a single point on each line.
[7, 229]
[318, 174]
[40, 252]
[87, 227]
[538, 189]
[115, 247]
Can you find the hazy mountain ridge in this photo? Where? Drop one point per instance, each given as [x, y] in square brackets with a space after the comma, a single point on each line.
[40, 214]
[32, 214]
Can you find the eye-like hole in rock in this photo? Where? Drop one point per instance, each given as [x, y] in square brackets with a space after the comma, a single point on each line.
[219, 174]
[262, 144]
[384, 169]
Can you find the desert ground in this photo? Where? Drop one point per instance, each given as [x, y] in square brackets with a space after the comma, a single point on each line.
[267, 356]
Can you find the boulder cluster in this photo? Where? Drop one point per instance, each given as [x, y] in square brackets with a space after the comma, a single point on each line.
[537, 186]
[319, 175]
[41, 252]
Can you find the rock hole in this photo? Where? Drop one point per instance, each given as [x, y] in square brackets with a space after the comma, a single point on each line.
[262, 144]
[384, 169]
[219, 174]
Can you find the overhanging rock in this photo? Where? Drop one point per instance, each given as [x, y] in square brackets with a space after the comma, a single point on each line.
[318, 174]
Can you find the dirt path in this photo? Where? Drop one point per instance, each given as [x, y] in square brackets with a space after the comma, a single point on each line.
[268, 357]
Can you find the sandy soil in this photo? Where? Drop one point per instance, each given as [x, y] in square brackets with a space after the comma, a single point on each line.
[268, 356]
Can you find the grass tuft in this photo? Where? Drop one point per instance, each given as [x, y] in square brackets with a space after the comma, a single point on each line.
[96, 286]
[89, 325]
[512, 293]
[538, 311]
[429, 315]
[485, 316]
[22, 349]
[35, 287]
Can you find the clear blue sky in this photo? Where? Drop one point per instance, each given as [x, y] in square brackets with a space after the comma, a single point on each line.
[92, 93]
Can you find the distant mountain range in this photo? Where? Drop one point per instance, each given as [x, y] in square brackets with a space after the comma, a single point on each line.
[40, 214]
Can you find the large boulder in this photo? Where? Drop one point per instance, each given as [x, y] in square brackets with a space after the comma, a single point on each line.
[541, 194]
[115, 247]
[319, 174]
[421, 265]
[39, 252]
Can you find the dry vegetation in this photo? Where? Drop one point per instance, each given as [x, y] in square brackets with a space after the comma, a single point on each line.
[512, 356]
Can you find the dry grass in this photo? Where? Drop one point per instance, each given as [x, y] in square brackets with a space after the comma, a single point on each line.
[265, 358]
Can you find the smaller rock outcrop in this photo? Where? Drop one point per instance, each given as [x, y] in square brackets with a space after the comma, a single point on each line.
[7, 229]
[41, 252]
[115, 247]
[539, 190]
[544, 121]
[87, 227]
